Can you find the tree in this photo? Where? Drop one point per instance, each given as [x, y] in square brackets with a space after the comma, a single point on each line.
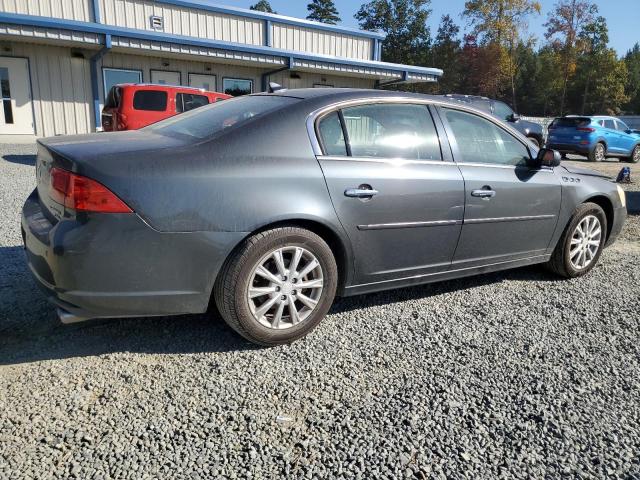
[405, 24]
[445, 54]
[632, 60]
[323, 11]
[564, 24]
[481, 65]
[262, 6]
[501, 23]
[593, 40]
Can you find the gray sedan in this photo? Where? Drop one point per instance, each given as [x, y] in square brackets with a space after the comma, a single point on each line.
[273, 204]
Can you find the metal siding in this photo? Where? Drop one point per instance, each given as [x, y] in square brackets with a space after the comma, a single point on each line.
[189, 22]
[69, 9]
[60, 89]
[308, 40]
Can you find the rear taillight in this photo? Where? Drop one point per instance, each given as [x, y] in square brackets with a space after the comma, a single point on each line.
[586, 129]
[83, 194]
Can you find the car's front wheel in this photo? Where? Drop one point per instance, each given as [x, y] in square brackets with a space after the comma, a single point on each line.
[582, 242]
[635, 155]
[277, 286]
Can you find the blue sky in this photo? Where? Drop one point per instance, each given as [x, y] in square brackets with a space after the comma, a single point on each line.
[623, 16]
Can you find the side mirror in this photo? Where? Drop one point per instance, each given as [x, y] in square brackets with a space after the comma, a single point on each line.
[548, 158]
[514, 117]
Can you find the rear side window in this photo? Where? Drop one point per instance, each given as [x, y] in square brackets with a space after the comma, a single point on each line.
[392, 131]
[481, 141]
[217, 117]
[190, 101]
[113, 98]
[332, 135]
[150, 100]
[609, 124]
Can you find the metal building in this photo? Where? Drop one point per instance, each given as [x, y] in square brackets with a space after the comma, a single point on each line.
[59, 57]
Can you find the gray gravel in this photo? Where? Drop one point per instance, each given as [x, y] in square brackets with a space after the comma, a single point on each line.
[512, 375]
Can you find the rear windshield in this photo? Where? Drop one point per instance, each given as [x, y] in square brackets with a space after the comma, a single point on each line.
[571, 122]
[113, 98]
[150, 100]
[214, 118]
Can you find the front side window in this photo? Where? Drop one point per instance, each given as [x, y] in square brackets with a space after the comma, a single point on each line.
[502, 110]
[237, 87]
[332, 135]
[150, 100]
[392, 131]
[609, 124]
[481, 141]
[114, 76]
[190, 101]
[621, 126]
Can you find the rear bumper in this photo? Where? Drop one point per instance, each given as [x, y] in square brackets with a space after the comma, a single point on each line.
[570, 148]
[115, 265]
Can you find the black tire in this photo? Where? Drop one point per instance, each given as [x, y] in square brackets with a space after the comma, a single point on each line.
[560, 263]
[535, 141]
[232, 284]
[594, 154]
[635, 155]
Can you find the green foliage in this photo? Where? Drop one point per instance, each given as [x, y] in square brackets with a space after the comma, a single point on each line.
[323, 11]
[632, 61]
[263, 6]
[405, 24]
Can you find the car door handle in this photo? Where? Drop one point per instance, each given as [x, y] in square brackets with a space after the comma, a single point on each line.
[483, 193]
[360, 192]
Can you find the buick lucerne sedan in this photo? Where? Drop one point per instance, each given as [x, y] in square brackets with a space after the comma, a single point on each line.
[270, 205]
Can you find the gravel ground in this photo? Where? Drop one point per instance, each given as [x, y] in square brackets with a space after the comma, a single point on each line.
[511, 375]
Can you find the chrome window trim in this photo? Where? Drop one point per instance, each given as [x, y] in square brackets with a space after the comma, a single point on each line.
[317, 115]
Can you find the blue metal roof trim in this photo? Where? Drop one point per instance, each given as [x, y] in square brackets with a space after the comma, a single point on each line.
[89, 27]
[244, 12]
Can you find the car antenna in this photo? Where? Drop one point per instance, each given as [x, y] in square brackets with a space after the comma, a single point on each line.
[274, 87]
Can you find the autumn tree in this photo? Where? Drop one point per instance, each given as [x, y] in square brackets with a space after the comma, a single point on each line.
[323, 11]
[500, 24]
[262, 6]
[564, 24]
[405, 24]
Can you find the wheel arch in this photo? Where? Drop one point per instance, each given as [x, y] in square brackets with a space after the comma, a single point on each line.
[603, 202]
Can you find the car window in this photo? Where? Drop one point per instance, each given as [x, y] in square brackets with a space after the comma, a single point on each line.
[113, 98]
[609, 124]
[392, 131]
[621, 126]
[217, 117]
[150, 100]
[332, 135]
[481, 141]
[189, 101]
[502, 110]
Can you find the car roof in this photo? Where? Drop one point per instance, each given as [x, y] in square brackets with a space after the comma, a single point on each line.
[160, 85]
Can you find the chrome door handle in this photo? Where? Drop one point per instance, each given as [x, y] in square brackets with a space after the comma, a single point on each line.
[483, 193]
[360, 192]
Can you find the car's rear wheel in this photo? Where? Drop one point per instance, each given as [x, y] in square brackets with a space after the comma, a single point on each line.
[598, 153]
[277, 286]
[635, 155]
[582, 242]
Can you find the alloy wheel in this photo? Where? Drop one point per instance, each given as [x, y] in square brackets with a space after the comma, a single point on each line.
[285, 287]
[600, 157]
[585, 242]
[636, 155]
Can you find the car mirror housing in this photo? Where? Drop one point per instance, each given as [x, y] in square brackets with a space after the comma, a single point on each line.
[548, 158]
[514, 117]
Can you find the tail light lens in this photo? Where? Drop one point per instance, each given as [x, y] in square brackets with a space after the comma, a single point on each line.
[586, 129]
[83, 194]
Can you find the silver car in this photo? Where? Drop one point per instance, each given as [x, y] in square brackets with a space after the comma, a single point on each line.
[273, 204]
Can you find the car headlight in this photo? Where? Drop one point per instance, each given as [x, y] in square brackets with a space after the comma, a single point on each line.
[622, 195]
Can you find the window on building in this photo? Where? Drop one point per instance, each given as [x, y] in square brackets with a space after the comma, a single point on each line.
[114, 76]
[392, 131]
[189, 101]
[150, 100]
[237, 87]
[481, 141]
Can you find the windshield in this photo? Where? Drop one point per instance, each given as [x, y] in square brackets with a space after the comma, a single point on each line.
[571, 122]
[502, 110]
[207, 121]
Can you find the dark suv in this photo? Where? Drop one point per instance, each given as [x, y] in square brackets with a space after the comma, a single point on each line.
[504, 112]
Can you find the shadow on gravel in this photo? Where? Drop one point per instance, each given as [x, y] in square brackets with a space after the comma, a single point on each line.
[20, 159]
[30, 330]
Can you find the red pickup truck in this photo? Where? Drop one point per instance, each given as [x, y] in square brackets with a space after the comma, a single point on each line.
[130, 106]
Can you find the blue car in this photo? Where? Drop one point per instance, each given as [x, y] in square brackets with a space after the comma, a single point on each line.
[595, 137]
